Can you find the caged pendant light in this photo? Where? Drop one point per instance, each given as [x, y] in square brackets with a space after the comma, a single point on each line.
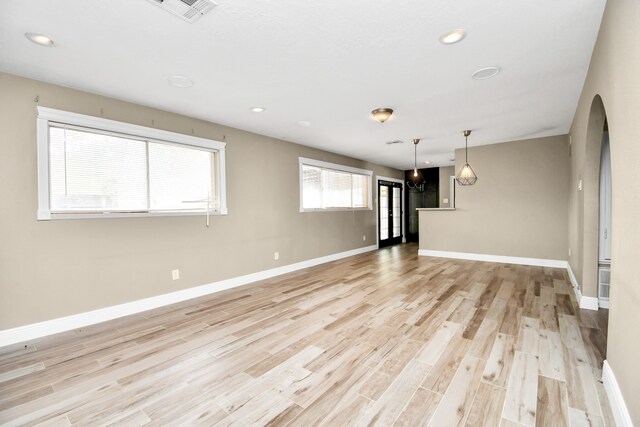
[466, 175]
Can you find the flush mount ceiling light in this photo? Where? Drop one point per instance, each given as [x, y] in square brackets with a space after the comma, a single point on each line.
[466, 176]
[453, 36]
[304, 123]
[258, 109]
[180, 81]
[382, 114]
[485, 73]
[40, 39]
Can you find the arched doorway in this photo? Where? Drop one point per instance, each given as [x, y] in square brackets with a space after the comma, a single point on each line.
[596, 224]
[604, 221]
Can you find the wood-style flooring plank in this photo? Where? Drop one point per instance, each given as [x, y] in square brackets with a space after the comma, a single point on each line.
[437, 344]
[420, 409]
[389, 406]
[486, 409]
[444, 370]
[551, 355]
[457, 400]
[553, 407]
[500, 360]
[529, 336]
[522, 390]
[578, 418]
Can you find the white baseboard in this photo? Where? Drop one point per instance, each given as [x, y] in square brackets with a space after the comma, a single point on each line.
[572, 277]
[588, 303]
[603, 302]
[618, 406]
[62, 324]
[554, 263]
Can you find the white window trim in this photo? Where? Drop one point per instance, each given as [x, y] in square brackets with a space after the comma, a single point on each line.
[303, 161]
[46, 115]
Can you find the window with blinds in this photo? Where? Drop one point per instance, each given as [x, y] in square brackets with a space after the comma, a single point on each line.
[94, 167]
[328, 186]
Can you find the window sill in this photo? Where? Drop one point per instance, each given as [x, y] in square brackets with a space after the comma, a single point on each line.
[335, 210]
[47, 216]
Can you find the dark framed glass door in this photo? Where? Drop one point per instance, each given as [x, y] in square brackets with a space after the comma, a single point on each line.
[389, 213]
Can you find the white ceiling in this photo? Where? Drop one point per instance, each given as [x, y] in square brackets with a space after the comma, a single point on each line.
[329, 62]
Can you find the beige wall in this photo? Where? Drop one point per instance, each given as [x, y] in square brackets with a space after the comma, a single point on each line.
[517, 208]
[50, 269]
[614, 75]
[445, 185]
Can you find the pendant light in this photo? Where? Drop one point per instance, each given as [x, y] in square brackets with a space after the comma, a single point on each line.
[466, 176]
[416, 179]
[415, 159]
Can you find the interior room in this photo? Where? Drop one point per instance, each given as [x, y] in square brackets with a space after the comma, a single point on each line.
[337, 213]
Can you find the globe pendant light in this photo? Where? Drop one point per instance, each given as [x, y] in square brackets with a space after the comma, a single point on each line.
[466, 175]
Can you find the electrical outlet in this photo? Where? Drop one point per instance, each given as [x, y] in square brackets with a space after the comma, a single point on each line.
[276, 256]
[175, 274]
[364, 237]
[445, 200]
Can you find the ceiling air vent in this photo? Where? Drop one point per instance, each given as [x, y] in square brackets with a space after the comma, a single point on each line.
[189, 10]
[397, 141]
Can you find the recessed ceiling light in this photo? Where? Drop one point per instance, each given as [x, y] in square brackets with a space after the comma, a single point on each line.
[453, 36]
[257, 109]
[485, 73]
[180, 81]
[427, 161]
[40, 39]
[304, 123]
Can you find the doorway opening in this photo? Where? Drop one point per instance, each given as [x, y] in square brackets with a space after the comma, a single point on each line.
[597, 218]
[604, 222]
[389, 213]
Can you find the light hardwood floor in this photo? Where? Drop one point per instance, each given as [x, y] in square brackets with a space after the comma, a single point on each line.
[384, 338]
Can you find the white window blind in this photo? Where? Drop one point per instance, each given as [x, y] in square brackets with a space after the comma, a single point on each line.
[333, 187]
[91, 171]
[312, 187]
[360, 191]
[95, 172]
[180, 178]
[336, 189]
